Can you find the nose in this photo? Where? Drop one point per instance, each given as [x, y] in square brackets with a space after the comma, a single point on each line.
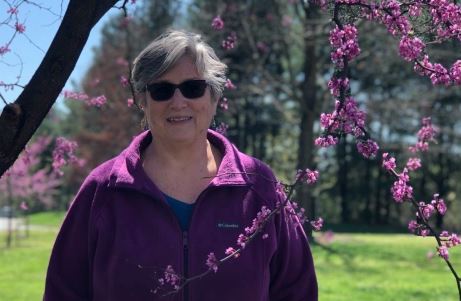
[178, 100]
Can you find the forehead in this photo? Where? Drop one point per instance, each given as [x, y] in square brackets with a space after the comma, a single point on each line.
[182, 70]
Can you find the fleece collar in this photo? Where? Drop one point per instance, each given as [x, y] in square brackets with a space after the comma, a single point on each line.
[127, 171]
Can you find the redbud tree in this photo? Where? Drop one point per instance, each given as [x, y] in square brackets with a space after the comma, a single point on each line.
[20, 118]
[405, 21]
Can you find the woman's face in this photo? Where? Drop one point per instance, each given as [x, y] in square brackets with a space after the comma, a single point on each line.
[180, 119]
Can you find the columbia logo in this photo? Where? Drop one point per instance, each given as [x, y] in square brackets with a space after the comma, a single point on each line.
[226, 225]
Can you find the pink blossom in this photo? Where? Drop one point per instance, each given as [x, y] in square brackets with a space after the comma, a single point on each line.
[401, 190]
[217, 23]
[415, 9]
[13, 10]
[344, 43]
[413, 163]
[20, 27]
[241, 240]
[424, 67]
[230, 41]
[368, 148]
[97, 101]
[307, 175]
[230, 251]
[4, 49]
[265, 236]
[229, 85]
[326, 141]
[442, 251]
[223, 104]
[124, 81]
[454, 239]
[24, 206]
[393, 19]
[75, 95]
[212, 262]
[388, 162]
[455, 72]
[129, 102]
[410, 48]
[412, 226]
[335, 84]
[317, 224]
[63, 153]
[170, 277]
[424, 232]
[441, 207]
[440, 75]
[426, 209]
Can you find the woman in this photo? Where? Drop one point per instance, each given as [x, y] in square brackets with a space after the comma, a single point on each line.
[177, 193]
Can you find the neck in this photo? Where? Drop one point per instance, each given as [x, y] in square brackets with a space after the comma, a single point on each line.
[200, 155]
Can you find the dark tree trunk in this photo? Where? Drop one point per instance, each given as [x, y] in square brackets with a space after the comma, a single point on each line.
[342, 181]
[308, 109]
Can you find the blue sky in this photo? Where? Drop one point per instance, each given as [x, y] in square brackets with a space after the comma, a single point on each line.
[41, 26]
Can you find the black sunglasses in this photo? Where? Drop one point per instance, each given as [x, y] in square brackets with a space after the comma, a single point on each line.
[163, 91]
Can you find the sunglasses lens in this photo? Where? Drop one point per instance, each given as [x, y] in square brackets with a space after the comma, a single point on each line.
[161, 91]
[193, 88]
[189, 89]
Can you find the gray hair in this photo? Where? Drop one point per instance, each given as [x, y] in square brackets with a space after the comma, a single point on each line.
[162, 53]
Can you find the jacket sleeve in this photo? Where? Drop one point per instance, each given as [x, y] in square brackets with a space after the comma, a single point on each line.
[68, 277]
[292, 268]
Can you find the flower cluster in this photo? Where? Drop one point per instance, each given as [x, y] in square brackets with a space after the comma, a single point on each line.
[402, 190]
[388, 162]
[425, 135]
[345, 44]
[368, 148]
[317, 224]
[258, 223]
[346, 118]
[335, 84]
[413, 163]
[229, 85]
[308, 176]
[410, 48]
[212, 262]
[217, 23]
[224, 104]
[97, 101]
[63, 153]
[230, 41]
[170, 277]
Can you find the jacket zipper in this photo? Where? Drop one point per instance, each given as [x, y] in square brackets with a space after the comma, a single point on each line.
[185, 263]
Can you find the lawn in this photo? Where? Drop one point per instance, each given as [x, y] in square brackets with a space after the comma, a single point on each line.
[387, 267]
[354, 267]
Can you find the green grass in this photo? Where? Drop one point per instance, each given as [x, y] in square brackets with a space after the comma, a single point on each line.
[375, 267]
[47, 218]
[355, 267]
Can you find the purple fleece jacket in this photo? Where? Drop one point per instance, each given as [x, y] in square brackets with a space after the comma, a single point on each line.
[119, 235]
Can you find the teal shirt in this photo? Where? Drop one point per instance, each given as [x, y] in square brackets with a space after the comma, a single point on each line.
[183, 211]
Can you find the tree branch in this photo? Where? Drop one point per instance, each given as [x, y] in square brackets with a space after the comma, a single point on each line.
[20, 120]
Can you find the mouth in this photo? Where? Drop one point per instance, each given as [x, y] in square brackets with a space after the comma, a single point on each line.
[178, 119]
